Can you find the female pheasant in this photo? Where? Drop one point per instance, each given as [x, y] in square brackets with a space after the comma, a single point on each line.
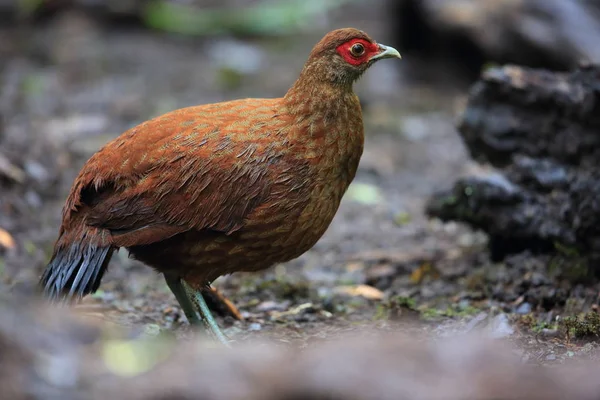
[208, 190]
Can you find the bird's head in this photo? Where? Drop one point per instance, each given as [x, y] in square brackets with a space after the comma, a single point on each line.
[343, 55]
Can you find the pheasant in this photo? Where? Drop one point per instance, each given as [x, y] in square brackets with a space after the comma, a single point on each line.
[209, 190]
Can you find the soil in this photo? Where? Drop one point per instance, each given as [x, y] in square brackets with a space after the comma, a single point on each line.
[73, 83]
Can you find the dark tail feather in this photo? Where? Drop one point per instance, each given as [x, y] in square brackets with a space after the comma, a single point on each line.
[74, 271]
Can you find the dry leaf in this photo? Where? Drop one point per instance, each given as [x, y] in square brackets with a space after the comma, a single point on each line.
[366, 291]
[426, 269]
[294, 311]
[6, 240]
[364, 193]
[10, 170]
[355, 266]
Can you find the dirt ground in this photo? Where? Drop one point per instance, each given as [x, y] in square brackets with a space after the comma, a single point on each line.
[72, 84]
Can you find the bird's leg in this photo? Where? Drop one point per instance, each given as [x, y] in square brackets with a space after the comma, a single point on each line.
[207, 317]
[176, 286]
[183, 293]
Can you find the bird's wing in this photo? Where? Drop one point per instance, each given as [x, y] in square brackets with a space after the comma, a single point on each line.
[143, 193]
[171, 200]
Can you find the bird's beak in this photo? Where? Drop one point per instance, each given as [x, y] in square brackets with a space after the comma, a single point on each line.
[386, 52]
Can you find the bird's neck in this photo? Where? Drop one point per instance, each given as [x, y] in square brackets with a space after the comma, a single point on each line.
[327, 128]
[314, 99]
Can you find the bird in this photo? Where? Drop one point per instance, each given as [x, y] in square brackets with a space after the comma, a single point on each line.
[209, 190]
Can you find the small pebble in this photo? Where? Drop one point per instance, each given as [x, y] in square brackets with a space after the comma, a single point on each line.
[151, 330]
[271, 306]
[476, 321]
[236, 55]
[524, 308]
[550, 333]
[33, 199]
[138, 303]
[500, 327]
[36, 171]
[427, 292]
[538, 279]
[255, 326]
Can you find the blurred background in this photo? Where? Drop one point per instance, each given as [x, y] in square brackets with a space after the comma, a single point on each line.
[76, 73]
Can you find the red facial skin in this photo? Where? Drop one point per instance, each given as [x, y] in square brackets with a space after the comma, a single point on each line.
[371, 49]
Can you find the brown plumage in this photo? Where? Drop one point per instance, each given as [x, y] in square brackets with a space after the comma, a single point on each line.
[209, 190]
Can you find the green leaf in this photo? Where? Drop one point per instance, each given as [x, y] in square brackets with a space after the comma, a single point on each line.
[27, 7]
[266, 17]
[365, 193]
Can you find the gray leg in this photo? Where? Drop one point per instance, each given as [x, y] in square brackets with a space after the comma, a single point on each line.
[176, 286]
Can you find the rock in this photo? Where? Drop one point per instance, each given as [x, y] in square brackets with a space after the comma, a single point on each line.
[515, 220]
[539, 129]
[514, 111]
[467, 34]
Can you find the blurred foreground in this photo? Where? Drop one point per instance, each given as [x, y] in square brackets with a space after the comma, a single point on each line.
[52, 354]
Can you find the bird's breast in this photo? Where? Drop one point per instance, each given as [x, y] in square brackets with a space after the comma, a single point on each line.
[332, 174]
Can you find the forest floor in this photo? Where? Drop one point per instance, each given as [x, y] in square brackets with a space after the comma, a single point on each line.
[71, 85]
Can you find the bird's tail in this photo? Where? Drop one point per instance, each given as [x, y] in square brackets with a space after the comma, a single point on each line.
[76, 269]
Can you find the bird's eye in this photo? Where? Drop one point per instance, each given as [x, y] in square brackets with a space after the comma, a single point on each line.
[357, 50]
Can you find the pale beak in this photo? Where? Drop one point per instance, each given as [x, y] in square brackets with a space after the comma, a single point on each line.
[386, 52]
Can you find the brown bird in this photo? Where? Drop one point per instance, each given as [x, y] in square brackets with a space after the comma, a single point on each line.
[208, 190]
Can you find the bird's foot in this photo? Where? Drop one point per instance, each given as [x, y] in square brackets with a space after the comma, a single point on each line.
[220, 304]
[209, 320]
[204, 313]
